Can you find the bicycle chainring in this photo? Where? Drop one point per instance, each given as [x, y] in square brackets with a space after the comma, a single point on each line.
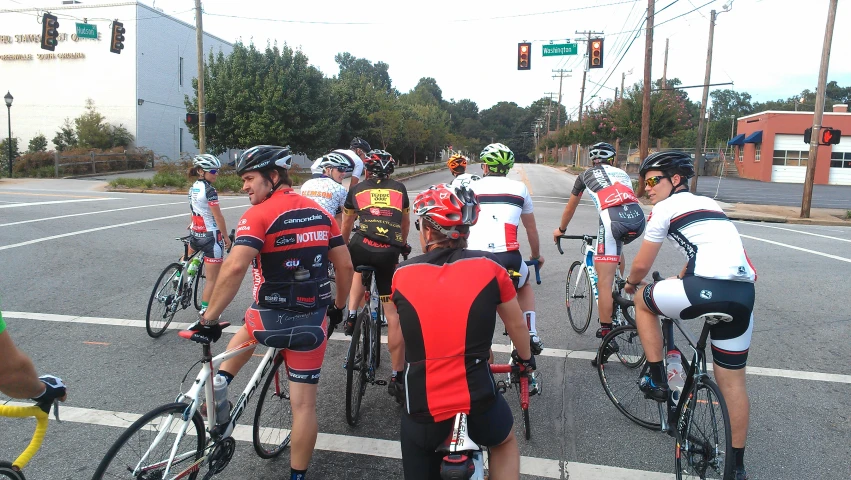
[220, 457]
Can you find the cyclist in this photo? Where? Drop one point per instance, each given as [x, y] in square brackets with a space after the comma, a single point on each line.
[457, 164]
[505, 203]
[717, 277]
[288, 240]
[448, 299]
[382, 206]
[208, 223]
[18, 378]
[356, 154]
[327, 190]
[621, 222]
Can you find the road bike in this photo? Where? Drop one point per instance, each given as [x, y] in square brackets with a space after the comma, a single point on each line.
[175, 290]
[13, 470]
[364, 355]
[696, 417]
[580, 288]
[173, 442]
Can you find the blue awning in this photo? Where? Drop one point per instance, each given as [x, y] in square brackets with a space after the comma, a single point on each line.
[737, 140]
[755, 137]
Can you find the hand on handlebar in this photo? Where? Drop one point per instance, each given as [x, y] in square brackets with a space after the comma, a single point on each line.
[556, 233]
[529, 365]
[630, 288]
[54, 389]
[540, 260]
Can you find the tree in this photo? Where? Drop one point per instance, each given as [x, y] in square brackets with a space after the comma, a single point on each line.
[65, 138]
[4, 153]
[37, 144]
[386, 120]
[92, 130]
[427, 92]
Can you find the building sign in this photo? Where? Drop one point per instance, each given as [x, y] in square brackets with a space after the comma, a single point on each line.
[36, 38]
[41, 56]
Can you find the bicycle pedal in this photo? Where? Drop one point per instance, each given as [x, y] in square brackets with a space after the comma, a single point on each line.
[381, 383]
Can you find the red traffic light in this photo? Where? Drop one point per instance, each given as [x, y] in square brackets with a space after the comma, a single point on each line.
[830, 136]
[524, 62]
[191, 118]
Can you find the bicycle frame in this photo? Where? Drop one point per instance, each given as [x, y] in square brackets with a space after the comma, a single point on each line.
[695, 370]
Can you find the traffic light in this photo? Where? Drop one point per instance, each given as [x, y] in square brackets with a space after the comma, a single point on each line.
[209, 119]
[808, 135]
[524, 61]
[192, 119]
[116, 43]
[829, 136]
[595, 53]
[49, 32]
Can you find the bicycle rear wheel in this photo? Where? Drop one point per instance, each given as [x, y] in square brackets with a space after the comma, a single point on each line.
[703, 427]
[578, 298]
[273, 415]
[376, 332]
[123, 458]
[164, 301]
[620, 379]
[6, 471]
[356, 368]
[527, 424]
[198, 286]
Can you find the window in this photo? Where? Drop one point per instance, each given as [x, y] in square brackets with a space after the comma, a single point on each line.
[180, 139]
[840, 160]
[180, 75]
[741, 153]
[790, 158]
[757, 149]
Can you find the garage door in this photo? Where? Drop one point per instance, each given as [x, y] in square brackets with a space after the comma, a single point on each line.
[789, 162]
[840, 165]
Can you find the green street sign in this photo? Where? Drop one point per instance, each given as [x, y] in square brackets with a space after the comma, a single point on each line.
[85, 30]
[556, 50]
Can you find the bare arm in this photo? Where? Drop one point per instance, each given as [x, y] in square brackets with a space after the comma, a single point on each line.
[346, 229]
[342, 261]
[230, 278]
[220, 222]
[528, 220]
[515, 325]
[406, 225]
[567, 215]
[353, 181]
[18, 378]
[643, 261]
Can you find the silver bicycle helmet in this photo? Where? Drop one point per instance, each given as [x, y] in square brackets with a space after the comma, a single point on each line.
[207, 162]
[336, 160]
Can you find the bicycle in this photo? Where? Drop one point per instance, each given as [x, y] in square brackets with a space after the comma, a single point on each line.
[580, 289]
[14, 470]
[170, 442]
[364, 355]
[174, 291]
[700, 449]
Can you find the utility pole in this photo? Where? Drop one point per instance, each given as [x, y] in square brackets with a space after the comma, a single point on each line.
[644, 146]
[665, 66]
[549, 109]
[623, 78]
[561, 74]
[584, 73]
[817, 115]
[202, 114]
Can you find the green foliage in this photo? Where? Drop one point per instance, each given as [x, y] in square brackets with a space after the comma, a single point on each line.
[170, 179]
[228, 182]
[66, 137]
[92, 130]
[847, 214]
[4, 154]
[37, 144]
[131, 183]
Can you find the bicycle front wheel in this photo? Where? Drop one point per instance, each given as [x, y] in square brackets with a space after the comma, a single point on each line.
[138, 455]
[198, 286]
[6, 471]
[578, 298]
[356, 368]
[620, 378]
[273, 416]
[164, 301]
[704, 447]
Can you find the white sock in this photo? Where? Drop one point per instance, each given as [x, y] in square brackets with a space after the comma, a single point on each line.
[530, 322]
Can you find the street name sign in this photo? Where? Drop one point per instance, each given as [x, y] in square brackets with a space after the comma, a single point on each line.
[556, 50]
[86, 30]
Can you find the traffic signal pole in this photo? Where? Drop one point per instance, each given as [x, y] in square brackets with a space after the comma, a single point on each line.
[819, 111]
[701, 122]
[199, 40]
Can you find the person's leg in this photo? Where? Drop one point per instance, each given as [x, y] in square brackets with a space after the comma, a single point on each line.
[605, 279]
[732, 385]
[305, 426]
[495, 428]
[650, 334]
[395, 342]
[504, 459]
[356, 301]
[234, 364]
[211, 271]
[419, 442]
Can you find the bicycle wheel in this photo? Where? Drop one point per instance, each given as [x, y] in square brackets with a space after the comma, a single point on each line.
[356, 368]
[272, 431]
[164, 301]
[6, 471]
[136, 444]
[704, 429]
[527, 424]
[376, 334]
[578, 298]
[198, 286]
[620, 379]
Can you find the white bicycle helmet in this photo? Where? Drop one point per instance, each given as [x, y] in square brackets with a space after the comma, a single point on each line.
[602, 151]
[207, 162]
[336, 160]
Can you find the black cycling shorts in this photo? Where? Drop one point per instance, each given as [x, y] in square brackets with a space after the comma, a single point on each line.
[619, 226]
[420, 440]
[513, 262]
[211, 243]
[384, 264]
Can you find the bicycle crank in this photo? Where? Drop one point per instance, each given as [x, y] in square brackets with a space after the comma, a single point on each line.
[220, 457]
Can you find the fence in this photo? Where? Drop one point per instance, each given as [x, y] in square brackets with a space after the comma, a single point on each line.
[124, 160]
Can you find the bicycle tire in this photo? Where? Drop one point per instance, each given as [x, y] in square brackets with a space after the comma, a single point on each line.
[356, 371]
[153, 325]
[147, 429]
[527, 424]
[271, 436]
[620, 381]
[198, 287]
[6, 471]
[580, 297]
[376, 332]
[694, 460]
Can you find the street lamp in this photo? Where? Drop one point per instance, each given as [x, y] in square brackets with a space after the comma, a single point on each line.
[9, 99]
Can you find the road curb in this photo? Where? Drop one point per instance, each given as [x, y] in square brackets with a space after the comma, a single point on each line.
[166, 192]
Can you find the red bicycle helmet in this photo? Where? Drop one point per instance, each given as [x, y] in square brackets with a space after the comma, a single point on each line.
[446, 208]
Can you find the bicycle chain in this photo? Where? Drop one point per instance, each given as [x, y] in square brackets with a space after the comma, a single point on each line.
[220, 457]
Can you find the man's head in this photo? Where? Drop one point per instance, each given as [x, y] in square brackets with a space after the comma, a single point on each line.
[360, 147]
[601, 153]
[263, 170]
[665, 173]
[335, 166]
[445, 215]
[457, 164]
[379, 163]
[497, 159]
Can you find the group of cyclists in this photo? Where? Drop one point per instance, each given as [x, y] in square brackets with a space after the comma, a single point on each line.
[441, 306]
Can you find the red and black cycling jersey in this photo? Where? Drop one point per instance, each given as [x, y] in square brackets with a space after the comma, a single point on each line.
[293, 235]
[380, 204]
[447, 302]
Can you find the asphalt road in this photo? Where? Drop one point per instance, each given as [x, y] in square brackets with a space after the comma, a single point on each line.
[67, 250]
[742, 190]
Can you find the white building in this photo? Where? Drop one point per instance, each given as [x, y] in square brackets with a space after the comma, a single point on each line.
[142, 88]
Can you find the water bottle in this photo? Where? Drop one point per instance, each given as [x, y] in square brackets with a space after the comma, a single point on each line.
[192, 269]
[676, 375]
[220, 389]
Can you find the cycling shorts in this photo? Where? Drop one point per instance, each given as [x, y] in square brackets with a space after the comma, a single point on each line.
[384, 264]
[619, 226]
[211, 243]
[301, 335]
[513, 262]
[420, 440]
[694, 296]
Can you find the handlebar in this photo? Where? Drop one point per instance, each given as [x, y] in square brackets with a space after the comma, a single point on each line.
[657, 277]
[586, 238]
[616, 296]
[537, 265]
[232, 236]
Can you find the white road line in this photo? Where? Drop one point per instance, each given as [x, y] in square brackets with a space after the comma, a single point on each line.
[97, 229]
[835, 257]
[498, 348]
[88, 213]
[52, 202]
[374, 447]
[787, 229]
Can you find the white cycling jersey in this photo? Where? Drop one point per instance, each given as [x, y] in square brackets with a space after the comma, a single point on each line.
[202, 194]
[464, 179]
[354, 160]
[329, 194]
[699, 229]
[501, 201]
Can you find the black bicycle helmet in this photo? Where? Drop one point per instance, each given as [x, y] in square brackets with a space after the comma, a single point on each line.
[264, 157]
[601, 151]
[379, 163]
[672, 163]
[358, 142]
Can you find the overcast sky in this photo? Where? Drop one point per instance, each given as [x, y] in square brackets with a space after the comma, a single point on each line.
[769, 48]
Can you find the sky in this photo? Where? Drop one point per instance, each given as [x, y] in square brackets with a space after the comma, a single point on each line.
[768, 48]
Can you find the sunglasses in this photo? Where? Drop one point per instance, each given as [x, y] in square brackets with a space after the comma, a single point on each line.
[213, 171]
[653, 181]
[341, 169]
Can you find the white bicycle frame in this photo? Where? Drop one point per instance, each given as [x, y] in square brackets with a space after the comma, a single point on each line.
[588, 252]
[204, 380]
[460, 442]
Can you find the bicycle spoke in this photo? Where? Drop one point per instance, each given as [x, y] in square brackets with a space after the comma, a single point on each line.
[704, 426]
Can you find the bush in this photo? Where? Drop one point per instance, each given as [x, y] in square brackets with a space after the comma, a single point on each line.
[131, 183]
[228, 182]
[78, 161]
[171, 179]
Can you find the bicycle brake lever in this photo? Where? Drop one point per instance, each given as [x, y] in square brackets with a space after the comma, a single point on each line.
[56, 410]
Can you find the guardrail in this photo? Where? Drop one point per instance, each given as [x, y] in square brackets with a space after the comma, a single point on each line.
[92, 159]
